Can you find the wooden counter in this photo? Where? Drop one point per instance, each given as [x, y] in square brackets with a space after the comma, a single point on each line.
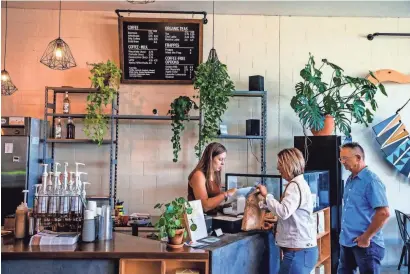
[246, 252]
[121, 246]
[122, 254]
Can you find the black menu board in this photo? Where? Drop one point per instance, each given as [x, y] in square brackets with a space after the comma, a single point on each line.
[160, 51]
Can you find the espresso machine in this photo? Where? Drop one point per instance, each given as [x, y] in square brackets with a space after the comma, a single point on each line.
[21, 156]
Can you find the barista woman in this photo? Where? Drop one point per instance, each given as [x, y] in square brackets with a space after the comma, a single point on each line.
[204, 182]
[296, 229]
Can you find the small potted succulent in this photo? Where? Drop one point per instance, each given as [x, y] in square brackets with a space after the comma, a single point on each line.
[172, 222]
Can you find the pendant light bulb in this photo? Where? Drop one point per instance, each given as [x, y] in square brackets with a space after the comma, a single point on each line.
[4, 76]
[58, 53]
[7, 86]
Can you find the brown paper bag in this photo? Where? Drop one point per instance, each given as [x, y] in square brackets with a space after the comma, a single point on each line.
[253, 217]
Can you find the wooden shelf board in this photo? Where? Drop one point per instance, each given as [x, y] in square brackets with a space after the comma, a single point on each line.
[322, 260]
[320, 235]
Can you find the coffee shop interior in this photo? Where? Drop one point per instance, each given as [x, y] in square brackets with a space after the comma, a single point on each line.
[107, 107]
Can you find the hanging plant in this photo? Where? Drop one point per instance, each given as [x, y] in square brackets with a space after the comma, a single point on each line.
[215, 89]
[179, 112]
[106, 78]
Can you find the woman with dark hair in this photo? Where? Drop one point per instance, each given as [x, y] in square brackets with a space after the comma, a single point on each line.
[204, 182]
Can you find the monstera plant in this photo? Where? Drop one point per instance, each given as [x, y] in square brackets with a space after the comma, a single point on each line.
[179, 112]
[105, 77]
[338, 99]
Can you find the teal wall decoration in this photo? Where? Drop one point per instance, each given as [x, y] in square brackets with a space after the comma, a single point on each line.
[394, 141]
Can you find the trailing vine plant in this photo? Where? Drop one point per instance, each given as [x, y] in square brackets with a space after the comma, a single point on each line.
[215, 89]
[106, 78]
[179, 112]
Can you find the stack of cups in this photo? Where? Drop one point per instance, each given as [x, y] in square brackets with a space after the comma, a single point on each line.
[105, 224]
[97, 223]
[89, 226]
[92, 205]
[89, 222]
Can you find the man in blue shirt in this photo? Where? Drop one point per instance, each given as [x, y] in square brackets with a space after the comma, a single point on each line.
[365, 211]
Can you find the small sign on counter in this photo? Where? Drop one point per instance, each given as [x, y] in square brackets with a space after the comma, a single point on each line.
[197, 218]
[8, 148]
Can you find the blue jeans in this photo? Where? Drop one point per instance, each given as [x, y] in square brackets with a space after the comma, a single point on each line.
[367, 259]
[299, 262]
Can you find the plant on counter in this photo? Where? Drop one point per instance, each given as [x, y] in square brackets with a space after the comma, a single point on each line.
[171, 223]
[215, 89]
[179, 112]
[106, 78]
[318, 103]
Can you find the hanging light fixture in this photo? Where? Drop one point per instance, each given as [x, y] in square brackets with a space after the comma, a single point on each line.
[140, 1]
[212, 53]
[58, 55]
[7, 86]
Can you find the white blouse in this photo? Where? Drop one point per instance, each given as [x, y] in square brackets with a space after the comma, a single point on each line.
[296, 227]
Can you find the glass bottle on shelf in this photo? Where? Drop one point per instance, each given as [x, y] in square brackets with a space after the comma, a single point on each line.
[66, 104]
[70, 129]
[58, 129]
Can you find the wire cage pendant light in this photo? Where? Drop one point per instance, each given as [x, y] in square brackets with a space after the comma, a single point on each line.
[58, 55]
[213, 56]
[7, 86]
[140, 1]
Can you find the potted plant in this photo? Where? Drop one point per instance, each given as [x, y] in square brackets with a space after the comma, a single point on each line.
[106, 78]
[321, 105]
[171, 223]
[215, 89]
[179, 112]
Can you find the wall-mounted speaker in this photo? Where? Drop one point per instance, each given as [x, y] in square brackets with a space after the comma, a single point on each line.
[256, 82]
[253, 127]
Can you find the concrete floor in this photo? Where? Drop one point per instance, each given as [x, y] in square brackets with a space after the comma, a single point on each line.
[393, 270]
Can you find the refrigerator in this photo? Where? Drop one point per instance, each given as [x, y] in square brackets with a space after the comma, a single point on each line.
[21, 156]
[322, 153]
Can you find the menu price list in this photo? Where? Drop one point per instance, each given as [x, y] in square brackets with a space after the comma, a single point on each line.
[160, 50]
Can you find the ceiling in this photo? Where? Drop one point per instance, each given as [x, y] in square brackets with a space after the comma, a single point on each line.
[368, 8]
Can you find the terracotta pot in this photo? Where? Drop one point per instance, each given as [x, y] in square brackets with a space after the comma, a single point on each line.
[178, 238]
[328, 128]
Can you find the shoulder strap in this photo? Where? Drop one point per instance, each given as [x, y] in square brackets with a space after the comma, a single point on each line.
[300, 192]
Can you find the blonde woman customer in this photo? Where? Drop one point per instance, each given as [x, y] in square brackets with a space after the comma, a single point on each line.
[296, 229]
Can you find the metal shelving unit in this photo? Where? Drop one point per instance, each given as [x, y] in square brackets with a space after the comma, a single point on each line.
[50, 112]
[113, 142]
[263, 96]
[115, 116]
